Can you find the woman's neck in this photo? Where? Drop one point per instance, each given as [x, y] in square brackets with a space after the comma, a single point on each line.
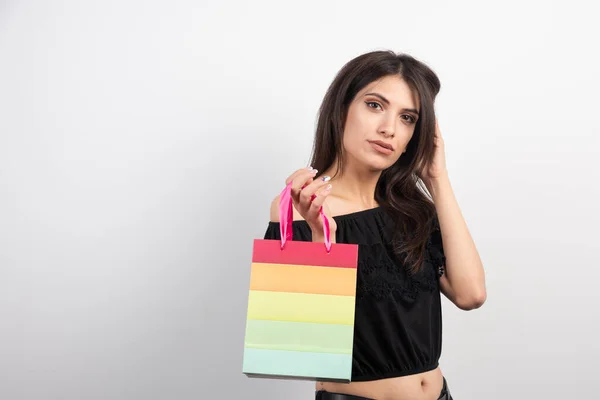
[355, 186]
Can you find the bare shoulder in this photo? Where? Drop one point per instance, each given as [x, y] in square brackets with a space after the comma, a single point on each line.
[275, 209]
[274, 214]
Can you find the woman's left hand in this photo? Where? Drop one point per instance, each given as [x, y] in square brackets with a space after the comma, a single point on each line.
[437, 168]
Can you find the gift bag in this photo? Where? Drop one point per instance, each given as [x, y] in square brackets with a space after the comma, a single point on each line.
[300, 316]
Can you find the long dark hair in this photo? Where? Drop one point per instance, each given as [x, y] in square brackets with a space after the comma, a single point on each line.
[399, 189]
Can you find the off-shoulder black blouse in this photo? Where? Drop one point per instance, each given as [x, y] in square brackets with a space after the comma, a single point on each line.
[398, 316]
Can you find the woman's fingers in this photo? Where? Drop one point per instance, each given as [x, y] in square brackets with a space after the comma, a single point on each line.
[313, 214]
[300, 179]
[307, 194]
[296, 173]
[310, 171]
[319, 198]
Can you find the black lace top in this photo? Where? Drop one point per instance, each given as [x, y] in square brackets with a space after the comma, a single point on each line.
[398, 320]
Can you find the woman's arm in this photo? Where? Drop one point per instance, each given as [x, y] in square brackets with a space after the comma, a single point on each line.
[463, 282]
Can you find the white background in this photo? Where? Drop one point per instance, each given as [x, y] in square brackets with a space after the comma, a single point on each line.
[142, 142]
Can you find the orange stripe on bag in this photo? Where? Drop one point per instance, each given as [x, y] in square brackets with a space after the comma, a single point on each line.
[303, 279]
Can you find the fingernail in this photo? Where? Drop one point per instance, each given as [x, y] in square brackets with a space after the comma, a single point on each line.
[309, 168]
[328, 187]
[314, 171]
[325, 178]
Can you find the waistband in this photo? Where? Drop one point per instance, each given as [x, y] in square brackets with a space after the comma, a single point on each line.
[324, 395]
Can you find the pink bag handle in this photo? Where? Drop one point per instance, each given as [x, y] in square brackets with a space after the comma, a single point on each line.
[286, 216]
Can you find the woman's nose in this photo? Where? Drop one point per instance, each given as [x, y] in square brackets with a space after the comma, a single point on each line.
[387, 130]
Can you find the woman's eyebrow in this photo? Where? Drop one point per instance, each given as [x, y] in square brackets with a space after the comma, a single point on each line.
[386, 101]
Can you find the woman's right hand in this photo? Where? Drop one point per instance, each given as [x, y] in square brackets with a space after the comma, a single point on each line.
[308, 196]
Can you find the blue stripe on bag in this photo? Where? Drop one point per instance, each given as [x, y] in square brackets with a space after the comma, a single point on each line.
[297, 363]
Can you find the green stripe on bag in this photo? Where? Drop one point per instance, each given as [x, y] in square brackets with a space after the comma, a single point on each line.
[299, 336]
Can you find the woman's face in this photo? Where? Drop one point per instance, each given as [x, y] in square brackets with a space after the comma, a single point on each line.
[380, 123]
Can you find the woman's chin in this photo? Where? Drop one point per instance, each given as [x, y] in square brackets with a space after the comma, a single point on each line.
[374, 162]
[378, 165]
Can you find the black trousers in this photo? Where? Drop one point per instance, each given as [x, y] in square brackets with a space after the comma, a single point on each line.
[324, 395]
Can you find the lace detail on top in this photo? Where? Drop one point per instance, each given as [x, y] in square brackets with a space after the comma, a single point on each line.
[380, 274]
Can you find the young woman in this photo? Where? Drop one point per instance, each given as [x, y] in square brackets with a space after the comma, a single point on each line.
[377, 148]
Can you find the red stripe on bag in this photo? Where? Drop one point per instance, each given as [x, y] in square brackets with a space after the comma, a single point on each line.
[342, 255]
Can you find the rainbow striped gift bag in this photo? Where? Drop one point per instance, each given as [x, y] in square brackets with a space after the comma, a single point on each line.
[300, 317]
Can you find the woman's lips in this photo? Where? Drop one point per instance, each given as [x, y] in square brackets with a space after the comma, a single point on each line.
[381, 147]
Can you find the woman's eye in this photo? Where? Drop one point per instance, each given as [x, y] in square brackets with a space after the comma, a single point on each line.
[410, 118]
[369, 103]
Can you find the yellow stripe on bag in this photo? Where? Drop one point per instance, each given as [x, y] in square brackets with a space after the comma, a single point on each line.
[303, 279]
[301, 307]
